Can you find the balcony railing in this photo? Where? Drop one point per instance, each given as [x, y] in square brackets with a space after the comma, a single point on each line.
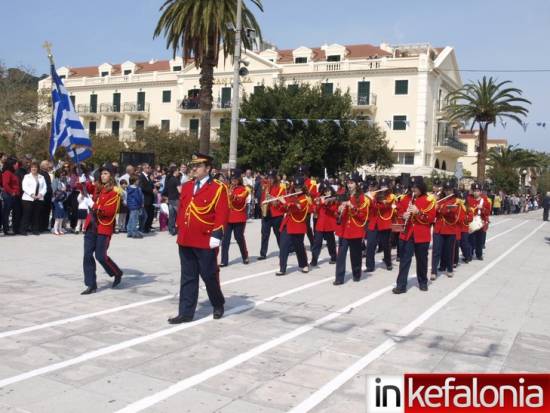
[133, 107]
[86, 109]
[192, 104]
[363, 100]
[452, 142]
[108, 108]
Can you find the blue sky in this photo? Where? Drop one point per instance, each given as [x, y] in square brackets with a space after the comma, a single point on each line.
[487, 35]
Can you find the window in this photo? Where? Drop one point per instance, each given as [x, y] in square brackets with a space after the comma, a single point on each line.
[258, 89]
[176, 68]
[436, 166]
[293, 89]
[363, 93]
[165, 125]
[333, 58]
[73, 100]
[116, 102]
[93, 103]
[115, 128]
[62, 77]
[127, 72]
[103, 74]
[226, 97]
[405, 158]
[92, 126]
[193, 127]
[166, 96]
[327, 89]
[444, 165]
[140, 125]
[140, 101]
[401, 87]
[300, 60]
[400, 122]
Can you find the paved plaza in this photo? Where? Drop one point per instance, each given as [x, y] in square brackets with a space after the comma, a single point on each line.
[286, 343]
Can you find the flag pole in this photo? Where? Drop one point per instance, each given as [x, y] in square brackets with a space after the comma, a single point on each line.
[48, 47]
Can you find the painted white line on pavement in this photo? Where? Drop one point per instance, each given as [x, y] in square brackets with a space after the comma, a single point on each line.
[325, 391]
[143, 339]
[499, 222]
[262, 348]
[241, 358]
[10, 333]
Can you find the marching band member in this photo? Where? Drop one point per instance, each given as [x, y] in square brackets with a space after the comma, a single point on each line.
[311, 186]
[379, 225]
[418, 213]
[202, 216]
[98, 229]
[447, 215]
[481, 209]
[353, 216]
[467, 215]
[293, 227]
[236, 221]
[326, 207]
[437, 241]
[272, 211]
[461, 231]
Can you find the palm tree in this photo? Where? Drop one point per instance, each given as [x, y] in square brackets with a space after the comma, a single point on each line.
[201, 29]
[512, 157]
[483, 103]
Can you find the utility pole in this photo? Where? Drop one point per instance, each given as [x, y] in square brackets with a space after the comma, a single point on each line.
[236, 85]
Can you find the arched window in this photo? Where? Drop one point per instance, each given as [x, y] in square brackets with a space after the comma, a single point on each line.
[444, 165]
[436, 164]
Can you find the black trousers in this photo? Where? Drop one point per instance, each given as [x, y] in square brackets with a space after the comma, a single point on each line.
[420, 251]
[377, 238]
[97, 244]
[269, 224]
[195, 262]
[150, 209]
[476, 241]
[437, 251]
[465, 246]
[545, 214]
[12, 206]
[287, 242]
[354, 246]
[31, 216]
[448, 252]
[45, 211]
[238, 230]
[318, 238]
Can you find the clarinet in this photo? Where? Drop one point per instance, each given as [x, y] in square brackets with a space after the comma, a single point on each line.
[411, 203]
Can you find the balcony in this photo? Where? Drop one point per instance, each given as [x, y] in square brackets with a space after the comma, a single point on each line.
[364, 103]
[87, 111]
[133, 108]
[110, 110]
[192, 106]
[451, 145]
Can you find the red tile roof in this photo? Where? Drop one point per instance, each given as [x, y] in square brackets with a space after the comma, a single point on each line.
[354, 51]
[141, 67]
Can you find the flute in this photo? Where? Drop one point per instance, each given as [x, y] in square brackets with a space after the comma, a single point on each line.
[267, 201]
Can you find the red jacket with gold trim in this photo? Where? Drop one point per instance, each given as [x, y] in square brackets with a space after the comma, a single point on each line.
[382, 213]
[354, 218]
[447, 216]
[202, 215]
[419, 224]
[481, 209]
[104, 210]
[297, 209]
[326, 216]
[237, 204]
[275, 208]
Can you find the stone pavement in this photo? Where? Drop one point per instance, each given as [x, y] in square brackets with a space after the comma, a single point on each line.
[285, 342]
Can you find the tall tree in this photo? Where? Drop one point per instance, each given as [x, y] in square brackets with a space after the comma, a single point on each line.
[505, 164]
[201, 29]
[483, 103]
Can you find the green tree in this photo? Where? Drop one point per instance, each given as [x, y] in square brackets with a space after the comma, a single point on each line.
[105, 148]
[281, 145]
[505, 163]
[200, 29]
[483, 103]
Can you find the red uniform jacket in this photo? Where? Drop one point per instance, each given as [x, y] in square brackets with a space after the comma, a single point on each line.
[202, 215]
[105, 208]
[466, 217]
[11, 183]
[447, 217]
[275, 208]
[311, 186]
[237, 204]
[382, 213]
[481, 209]
[419, 224]
[326, 216]
[354, 219]
[297, 208]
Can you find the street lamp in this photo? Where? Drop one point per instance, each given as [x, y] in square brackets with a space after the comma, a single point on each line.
[233, 137]
[523, 180]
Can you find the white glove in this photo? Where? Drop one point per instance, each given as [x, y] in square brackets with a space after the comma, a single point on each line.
[214, 243]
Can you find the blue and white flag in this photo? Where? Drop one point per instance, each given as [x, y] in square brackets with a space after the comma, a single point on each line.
[67, 130]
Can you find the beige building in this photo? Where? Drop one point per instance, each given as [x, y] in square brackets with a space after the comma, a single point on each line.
[400, 87]
[470, 138]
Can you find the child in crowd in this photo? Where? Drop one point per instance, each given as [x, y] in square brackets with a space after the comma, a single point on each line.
[85, 204]
[123, 209]
[59, 212]
[163, 213]
[134, 202]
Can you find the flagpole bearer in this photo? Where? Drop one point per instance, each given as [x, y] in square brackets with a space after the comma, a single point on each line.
[236, 85]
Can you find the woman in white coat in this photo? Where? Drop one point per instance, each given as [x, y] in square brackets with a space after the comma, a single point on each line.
[34, 190]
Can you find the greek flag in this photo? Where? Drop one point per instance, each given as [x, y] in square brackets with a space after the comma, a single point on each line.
[67, 130]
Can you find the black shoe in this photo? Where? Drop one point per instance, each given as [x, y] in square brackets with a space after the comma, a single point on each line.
[246, 261]
[23, 233]
[36, 233]
[280, 273]
[313, 264]
[423, 287]
[480, 258]
[441, 269]
[389, 267]
[357, 279]
[397, 259]
[223, 265]
[398, 291]
[337, 282]
[369, 270]
[261, 257]
[180, 319]
[332, 261]
[117, 280]
[89, 290]
[218, 312]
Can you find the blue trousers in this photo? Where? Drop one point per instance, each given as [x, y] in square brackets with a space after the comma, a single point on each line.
[269, 224]
[437, 251]
[448, 252]
[377, 238]
[318, 238]
[420, 251]
[238, 230]
[476, 241]
[98, 245]
[354, 246]
[465, 246]
[289, 243]
[197, 262]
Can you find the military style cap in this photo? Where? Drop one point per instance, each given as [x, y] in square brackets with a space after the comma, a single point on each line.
[198, 158]
[302, 170]
[476, 187]
[384, 182]
[236, 173]
[416, 180]
[299, 181]
[436, 181]
[272, 173]
[109, 167]
[355, 177]
[449, 184]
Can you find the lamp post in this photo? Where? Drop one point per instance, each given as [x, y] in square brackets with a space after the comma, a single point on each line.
[523, 180]
[234, 135]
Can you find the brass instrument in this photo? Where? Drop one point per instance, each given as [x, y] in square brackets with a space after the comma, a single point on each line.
[264, 207]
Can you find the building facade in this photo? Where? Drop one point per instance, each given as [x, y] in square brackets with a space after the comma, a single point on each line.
[470, 139]
[402, 88]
